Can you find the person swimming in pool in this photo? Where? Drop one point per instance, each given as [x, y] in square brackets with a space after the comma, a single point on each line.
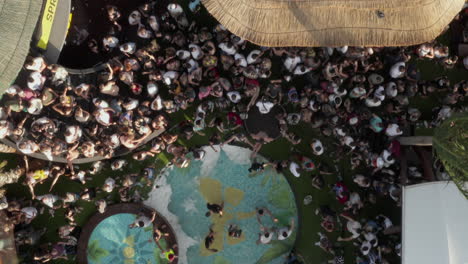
[215, 209]
[209, 239]
[234, 231]
[262, 211]
[265, 236]
[257, 167]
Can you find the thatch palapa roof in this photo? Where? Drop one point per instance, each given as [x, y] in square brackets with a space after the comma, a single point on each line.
[18, 20]
[335, 23]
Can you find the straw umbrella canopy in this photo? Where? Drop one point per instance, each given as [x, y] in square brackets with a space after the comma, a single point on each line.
[334, 23]
[18, 20]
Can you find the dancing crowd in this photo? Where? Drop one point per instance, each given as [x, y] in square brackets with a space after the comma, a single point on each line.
[359, 98]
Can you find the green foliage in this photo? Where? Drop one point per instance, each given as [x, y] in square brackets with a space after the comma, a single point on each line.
[450, 144]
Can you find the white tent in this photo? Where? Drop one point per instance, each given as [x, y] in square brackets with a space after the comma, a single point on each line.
[435, 224]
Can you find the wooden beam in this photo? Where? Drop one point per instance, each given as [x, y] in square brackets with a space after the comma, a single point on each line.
[415, 141]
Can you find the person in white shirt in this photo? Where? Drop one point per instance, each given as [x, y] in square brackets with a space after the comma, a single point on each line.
[134, 18]
[183, 54]
[36, 64]
[128, 48]
[373, 102]
[196, 51]
[153, 23]
[398, 70]
[264, 106]
[343, 49]
[372, 238]
[393, 130]
[354, 202]
[170, 76]
[48, 199]
[380, 93]
[295, 169]
[110, 42]
[465, 62]
[143, 221]
[353, 226]
[27, 146]
[175, 10]
[253, 56]
[317, 147]
[349, 141]
[290, 63]
[426, 50]
[36, 81]
[301, 70]
[286, 232]
[35, 106]
[109, 185]
[387, 158]
[361, 180]
[240, 60]
[6, 128]
[72, 134]
[234, 96]
[101, 206]
[385, 221]
[365, 247]
[391, 90]
[228, 48]
[30, 213]
[265, 237]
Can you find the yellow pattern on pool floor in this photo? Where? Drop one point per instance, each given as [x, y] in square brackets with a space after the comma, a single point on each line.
[212, 191]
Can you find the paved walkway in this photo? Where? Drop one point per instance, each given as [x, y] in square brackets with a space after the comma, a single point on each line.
[82, 160]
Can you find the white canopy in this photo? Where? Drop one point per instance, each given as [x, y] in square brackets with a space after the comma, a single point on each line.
[435, 224]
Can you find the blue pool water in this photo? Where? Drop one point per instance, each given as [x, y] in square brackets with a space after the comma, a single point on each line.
[223, 177]
[112, 241]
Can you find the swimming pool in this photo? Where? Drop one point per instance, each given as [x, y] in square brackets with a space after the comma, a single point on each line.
[220, 177]
[112, 241]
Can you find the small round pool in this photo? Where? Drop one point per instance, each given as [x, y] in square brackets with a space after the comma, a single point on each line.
[112, 241]
[108, 238]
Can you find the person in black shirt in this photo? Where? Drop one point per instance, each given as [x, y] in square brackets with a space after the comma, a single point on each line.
[209, 240]
[214, 208]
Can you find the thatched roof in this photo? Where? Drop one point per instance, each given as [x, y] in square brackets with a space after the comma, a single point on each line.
[335, 22]
[18, 19]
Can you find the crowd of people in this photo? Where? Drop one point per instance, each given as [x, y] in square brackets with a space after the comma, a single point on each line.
[359, 97]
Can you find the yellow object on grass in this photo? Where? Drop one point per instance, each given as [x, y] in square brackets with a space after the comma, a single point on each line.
[47, 22]
[40, 175]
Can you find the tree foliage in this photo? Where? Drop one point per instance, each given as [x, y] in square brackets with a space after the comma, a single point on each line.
[450, 144]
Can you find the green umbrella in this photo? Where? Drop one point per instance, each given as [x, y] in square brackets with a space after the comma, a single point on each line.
[18, 20]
